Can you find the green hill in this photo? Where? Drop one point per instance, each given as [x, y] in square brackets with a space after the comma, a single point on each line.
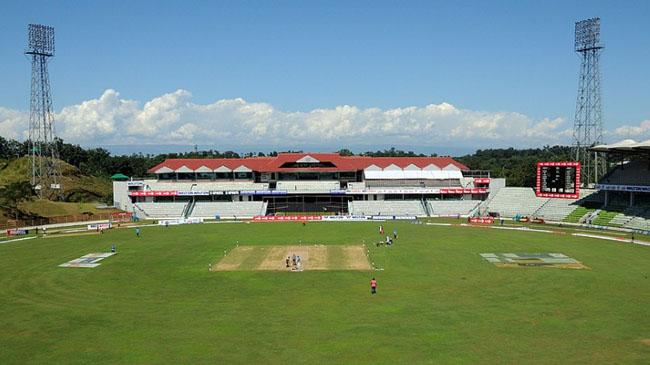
[77, 189]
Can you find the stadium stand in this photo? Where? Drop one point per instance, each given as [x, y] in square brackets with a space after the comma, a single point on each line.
[161, 210]
[557, 210]
[228, 209]
[204, 185]
[387, 207]
[415, 183]
[509, 202]
[290, 183]
[630, 173]
[451, 207]
[641, 222]
[308, 186]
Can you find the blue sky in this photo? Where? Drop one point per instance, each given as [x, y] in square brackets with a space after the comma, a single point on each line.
[495, 62]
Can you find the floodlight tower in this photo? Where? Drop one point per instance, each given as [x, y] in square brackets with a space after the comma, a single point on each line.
[588, 122]
[45, 174]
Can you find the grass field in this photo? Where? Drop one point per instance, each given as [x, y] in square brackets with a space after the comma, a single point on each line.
[438, 301]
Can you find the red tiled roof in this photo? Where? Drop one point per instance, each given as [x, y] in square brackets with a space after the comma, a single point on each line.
[341, 163]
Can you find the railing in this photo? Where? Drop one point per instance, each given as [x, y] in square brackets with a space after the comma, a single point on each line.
[476, 173]
[425, 205]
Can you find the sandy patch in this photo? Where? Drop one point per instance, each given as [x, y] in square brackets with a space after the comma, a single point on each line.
[646, 341]
[355, 258]
[318, 258]
[273, 258]
[276, 259]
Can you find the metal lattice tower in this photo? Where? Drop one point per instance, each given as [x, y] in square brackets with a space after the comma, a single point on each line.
[588, 123]
[46, 174]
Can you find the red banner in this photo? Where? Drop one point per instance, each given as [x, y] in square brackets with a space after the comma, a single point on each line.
[481, 220]
[463, 191]
[289, 218]
[481, 180]
[121, 217]
[153, 193]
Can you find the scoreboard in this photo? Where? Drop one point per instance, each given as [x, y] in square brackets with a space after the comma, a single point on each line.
[558, 180]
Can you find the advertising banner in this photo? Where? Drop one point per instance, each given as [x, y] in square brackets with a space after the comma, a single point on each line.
[99, 226]
[172, 222]
[632, 188]
[16, 232]
[153, 193]
[481, 220]
[291, 218]
[193, 193]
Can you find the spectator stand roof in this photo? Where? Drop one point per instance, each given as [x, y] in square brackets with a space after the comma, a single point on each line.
[316, 162]
[627, 146]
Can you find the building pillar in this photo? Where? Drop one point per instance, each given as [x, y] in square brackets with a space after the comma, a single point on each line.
[606, 197]
[632, 198]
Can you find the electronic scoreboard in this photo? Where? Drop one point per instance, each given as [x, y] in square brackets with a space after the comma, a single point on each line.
[558, 180]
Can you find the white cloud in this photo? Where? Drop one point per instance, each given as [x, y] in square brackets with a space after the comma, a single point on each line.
[13, 124]
[174, 119]
[638, 132]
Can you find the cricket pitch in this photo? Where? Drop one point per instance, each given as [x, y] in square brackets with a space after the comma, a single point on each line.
[313, 257]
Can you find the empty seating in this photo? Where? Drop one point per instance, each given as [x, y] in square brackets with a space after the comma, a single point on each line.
[452, 207]
[414, 183]
[204, 185]
[356, 185]
[639, 223]
[556, 209]
[160, 210]
[308, 186]
[228, 209]
[387, 207]
[632, 173]
[637, 217]
[509, 202]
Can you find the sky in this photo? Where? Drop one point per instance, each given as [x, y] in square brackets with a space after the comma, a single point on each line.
[432, 76]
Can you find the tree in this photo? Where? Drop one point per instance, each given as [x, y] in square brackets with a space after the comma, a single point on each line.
[12, 194]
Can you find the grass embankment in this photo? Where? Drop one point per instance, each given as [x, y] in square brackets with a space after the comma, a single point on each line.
[48, 208]
[81, 193]
[438, 300]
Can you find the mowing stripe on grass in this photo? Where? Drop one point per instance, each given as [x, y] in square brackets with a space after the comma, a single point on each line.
[256, 257]
[336, 259]
[234, 259]
[355, 258]
[275, 259]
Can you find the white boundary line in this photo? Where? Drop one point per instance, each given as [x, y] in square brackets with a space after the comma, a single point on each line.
[18, 239]
[526, 229]
[616, 239]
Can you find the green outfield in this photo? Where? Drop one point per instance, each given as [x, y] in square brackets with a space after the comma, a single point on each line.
[439, 301]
